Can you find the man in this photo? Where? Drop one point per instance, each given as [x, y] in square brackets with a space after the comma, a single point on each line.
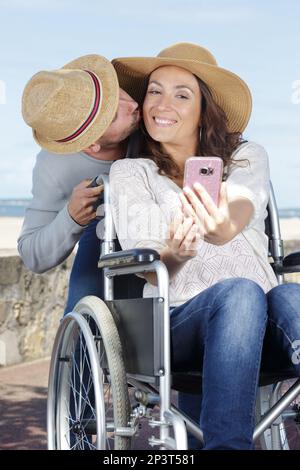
[82, 121]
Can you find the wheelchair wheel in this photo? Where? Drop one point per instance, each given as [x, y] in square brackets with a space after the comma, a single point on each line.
[284, 433]
[88, 400]
[289, 426]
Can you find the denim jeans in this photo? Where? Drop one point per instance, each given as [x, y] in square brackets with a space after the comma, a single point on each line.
[280, 350]
[220, 332]
[87, 279]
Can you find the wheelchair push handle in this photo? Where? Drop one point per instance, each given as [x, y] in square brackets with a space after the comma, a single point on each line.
[95, 183]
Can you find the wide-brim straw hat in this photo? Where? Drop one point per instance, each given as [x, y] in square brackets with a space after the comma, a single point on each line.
[70, 108]
[229, 91]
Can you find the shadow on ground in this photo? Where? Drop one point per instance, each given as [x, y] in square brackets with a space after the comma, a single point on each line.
[23, 422]
[23, 409]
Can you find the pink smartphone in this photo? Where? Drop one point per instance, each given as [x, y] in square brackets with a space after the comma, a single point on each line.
[208, 171]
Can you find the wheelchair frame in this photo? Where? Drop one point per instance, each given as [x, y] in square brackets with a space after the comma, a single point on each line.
[269, 429]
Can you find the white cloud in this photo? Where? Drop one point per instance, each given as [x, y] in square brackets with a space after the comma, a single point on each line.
[295, 97]
[2, 92]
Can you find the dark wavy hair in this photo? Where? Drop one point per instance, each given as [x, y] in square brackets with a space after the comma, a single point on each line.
[214, 138]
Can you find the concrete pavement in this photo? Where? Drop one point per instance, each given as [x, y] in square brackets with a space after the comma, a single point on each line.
[23, 397]
[23, 404]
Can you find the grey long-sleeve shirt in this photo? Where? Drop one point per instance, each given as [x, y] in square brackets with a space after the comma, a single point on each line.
[49, 234]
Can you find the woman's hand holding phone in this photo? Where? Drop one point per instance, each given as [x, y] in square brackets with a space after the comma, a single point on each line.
[205, 199]
[214, 223]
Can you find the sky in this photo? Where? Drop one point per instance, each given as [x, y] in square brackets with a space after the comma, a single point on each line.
[258, 40]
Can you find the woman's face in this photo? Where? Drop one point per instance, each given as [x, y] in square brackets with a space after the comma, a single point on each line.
[172, 106]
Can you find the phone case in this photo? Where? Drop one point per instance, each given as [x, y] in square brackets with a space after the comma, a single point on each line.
[207, 171]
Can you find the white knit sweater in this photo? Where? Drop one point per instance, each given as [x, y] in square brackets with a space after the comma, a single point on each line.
[144, 202]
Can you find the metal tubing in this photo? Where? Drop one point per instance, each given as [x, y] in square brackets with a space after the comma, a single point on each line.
[277, 409]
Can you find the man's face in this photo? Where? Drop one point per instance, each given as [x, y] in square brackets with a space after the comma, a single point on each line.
[125, 122]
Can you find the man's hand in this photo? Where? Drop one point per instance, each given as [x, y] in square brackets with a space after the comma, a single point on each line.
[80, 206]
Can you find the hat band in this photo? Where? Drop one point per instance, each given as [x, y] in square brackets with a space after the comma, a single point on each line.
[93, 112]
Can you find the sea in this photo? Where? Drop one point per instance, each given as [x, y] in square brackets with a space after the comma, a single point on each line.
[17, 207]
[13, 207]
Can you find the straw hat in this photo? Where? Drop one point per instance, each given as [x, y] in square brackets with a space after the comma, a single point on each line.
[229, 91]
[70, 108]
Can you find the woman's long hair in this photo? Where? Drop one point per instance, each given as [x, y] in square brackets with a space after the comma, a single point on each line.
[214, 139]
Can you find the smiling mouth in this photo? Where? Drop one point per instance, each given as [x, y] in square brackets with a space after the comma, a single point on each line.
[163, 122]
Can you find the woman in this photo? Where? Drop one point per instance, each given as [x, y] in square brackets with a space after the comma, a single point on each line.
[221, 284]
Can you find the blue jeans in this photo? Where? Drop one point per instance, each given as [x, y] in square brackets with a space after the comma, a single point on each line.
[87, 279]
[279, 352]
[220, 332]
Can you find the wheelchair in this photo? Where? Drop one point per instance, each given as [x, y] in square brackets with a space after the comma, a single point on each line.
[110, 370]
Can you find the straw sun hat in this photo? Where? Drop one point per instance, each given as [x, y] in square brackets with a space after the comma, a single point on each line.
[228, 90]
[70, 108]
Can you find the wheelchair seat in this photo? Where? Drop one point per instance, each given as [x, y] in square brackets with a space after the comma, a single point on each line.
[191, 382]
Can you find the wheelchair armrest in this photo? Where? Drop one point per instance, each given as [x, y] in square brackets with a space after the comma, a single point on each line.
[291, 263]
[124, 258]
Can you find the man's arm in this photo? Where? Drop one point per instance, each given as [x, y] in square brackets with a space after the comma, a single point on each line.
[49, 232]
[47, 238]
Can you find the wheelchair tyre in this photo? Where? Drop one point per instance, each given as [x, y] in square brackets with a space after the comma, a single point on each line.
[116, 401]
[70, 412]
[262, 406]
[81, 414]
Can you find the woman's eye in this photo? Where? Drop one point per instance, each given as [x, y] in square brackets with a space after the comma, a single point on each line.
[153, 92]
[184, 97]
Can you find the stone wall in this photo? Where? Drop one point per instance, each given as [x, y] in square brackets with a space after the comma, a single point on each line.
[31, 306]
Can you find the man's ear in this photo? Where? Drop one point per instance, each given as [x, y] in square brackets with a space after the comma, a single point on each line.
[95, 147]
[92, 149]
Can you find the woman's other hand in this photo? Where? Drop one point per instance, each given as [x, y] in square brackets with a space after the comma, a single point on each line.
[183, 237]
